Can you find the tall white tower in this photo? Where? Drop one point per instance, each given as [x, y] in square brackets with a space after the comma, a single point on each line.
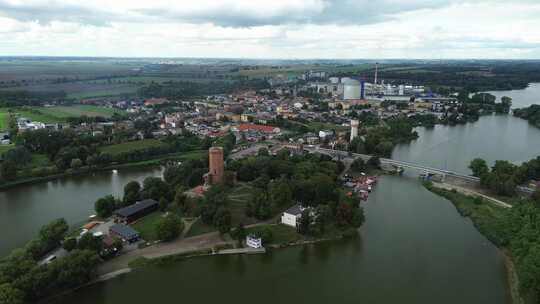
[354, 129]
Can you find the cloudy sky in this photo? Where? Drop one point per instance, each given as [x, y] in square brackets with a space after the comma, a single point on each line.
[289, 29]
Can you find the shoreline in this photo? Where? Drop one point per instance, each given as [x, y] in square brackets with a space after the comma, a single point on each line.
[37, 180]
[512, 279]
[143, 262]
[154, 162]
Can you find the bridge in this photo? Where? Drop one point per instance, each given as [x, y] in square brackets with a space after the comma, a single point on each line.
[350, 157]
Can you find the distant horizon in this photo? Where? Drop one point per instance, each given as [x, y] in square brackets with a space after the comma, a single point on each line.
[261, 59]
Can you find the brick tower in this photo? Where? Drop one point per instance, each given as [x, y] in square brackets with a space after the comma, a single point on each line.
[215, 174]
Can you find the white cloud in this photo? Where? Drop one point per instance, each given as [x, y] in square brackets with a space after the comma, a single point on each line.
[273, 29]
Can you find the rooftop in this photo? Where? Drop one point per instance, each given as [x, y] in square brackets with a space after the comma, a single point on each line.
[124, 230]
[133, 209]
[294, 210]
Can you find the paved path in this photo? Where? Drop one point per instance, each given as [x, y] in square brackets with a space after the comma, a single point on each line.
[472, 193]
[195, 243]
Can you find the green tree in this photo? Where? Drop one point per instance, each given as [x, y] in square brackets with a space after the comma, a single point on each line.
[374, 162]
[536, 197]
[156, 188]
[163, 203]
[239, 233]
[169, 227]
[305, 222]
[54, 232]
[19, 156]
[344, 214]
[222, 220]
[8, 170]
[280, 193]
[132, 193]
[263, 152]
[479, 167]
[90, 242]
[69, 244]
[10, 294]
[358, 165]
[105, 206]
[358, 217]
[76, 163]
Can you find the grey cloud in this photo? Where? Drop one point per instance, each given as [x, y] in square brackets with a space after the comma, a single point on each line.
[334, 12]
[339, 12]
[55, 11]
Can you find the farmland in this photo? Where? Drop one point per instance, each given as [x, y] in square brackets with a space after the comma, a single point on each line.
[41, 71]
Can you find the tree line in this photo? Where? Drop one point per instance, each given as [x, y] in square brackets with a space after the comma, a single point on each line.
[531, 114]
[504, 177]
[23, 278]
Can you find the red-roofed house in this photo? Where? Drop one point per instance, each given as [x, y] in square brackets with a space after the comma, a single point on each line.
[155, 101]
[258, 128]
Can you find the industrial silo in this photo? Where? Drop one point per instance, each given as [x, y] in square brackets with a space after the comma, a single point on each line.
[352, 89]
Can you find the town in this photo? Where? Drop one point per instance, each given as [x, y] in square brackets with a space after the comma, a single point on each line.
[236, 151]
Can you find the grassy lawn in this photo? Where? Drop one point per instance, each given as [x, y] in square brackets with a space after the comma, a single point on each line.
[317, 126]
[79, 110]
[37, 115]
[131, 146]
[238, 199]
[199, 228]
[146, 226]
[5, 148]
[281, 234]
[4, 118]
[60, 114]
[40, 160]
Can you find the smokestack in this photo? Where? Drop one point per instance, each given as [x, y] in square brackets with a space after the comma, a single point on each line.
[376, 72]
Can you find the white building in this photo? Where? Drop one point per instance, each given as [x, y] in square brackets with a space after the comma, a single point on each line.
[253, 241]
[291, 217]
[325, 133]
[354, 129]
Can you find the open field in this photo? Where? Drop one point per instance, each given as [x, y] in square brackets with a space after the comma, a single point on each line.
[131, 146]
[299, 69]
[80, 90]
[110, 91]
[61, 113]
[147, 226]
[78, 110]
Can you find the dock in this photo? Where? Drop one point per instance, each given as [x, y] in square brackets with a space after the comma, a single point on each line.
[246, 250]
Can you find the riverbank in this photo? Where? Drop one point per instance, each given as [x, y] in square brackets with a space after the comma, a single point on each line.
[142, 164]
[483, 216]
[204, 244]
